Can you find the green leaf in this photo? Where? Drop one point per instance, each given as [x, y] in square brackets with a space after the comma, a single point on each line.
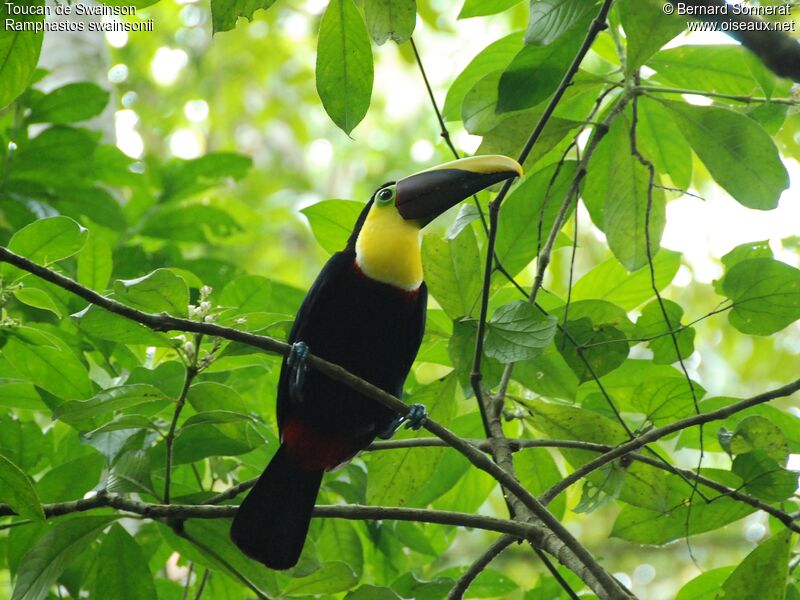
[344, 65]
[537, 471]
[758, 433]
[495, 57]
[604, 347]
[246, 294]
[763, 573]
[651, 323]
[159, 291]
[482, 8]
[120, 563]
[131, 473]
[105, 325]
[19, 51]
[46, 560]
[38, 298]
[661, 141]
[396, 477]
[548, 375]
[736, 150]
[647, 29]
[725, 69]
[390, 19]
[225, 13]
[15, 393]
[17, 491]
[612, 282]
[332, 222]
[532, 207]
[536, 71]
[705, 586]
[184, 178]
[108, 401]
[45, 241]
[51, 368]
[371, 592]
[190, 223]
[330, 578]
[339, 540]
[765, 293]
[763, 477]
[214, 417]
[453, 272]
[70, 150]
[550, 19]
[663, 399]
[95, 264]
[518, 331]
[69, 104]
[461, 351]
[71, 479]
[616, 194]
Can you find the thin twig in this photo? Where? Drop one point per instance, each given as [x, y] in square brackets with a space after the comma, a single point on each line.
[660, 432]
[475, 569]
[654, 89]
[191, 373]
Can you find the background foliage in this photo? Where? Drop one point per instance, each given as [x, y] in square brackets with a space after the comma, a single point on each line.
[205, 177]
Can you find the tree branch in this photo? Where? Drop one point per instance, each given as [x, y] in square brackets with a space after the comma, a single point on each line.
[558, 541]
[492, 552]
[656, 434]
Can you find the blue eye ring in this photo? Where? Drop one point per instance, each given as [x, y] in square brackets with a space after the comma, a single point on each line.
[385, 195]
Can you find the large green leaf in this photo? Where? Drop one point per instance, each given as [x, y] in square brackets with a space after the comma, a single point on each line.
[764, 477]
[705, 586]
[495, 57]
[19, 50]
[17, 490]
[330, 578]
[765, 293]
[45, 241]
[617, 194]
[159, 291]
[661, 141]
[225, 13]
[189, 222]
[647, 28]
[69, 104]
[51, 368]
[518, 331]
[651, 323]
[646, 526]
[611, 281]
[184, 178]
[332, 222]
[108, 401]
[726, 69]
[453, 272]
[339, 541]
[344, 65]
[529, 213]
[763, 573]
[390, 19]
[396, 476]
[105, 325]
[550, 19]
[122, 571]
[46, 560]
[536, 71]
[95, 264]
[737, 151]
[481, 8]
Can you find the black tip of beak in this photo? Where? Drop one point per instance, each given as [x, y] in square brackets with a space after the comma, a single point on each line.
[426, 195]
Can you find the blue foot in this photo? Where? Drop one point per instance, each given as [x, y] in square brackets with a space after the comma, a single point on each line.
[296, 361]
[414, 420]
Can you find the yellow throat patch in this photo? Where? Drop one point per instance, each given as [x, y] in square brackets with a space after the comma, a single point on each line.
[387, 248]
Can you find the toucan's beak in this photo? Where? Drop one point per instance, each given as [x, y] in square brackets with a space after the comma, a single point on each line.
[425, 195]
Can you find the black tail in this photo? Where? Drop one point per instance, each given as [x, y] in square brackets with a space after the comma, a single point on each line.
[272, 522]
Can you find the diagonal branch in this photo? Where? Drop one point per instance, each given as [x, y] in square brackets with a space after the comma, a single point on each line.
[558, 541]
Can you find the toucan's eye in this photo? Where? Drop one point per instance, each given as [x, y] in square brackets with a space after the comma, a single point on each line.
[385, 195]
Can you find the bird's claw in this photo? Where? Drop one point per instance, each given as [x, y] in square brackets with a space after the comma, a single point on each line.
[298, 367]
[415, 419]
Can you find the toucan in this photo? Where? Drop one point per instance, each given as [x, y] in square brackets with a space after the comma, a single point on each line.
[366, 313]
